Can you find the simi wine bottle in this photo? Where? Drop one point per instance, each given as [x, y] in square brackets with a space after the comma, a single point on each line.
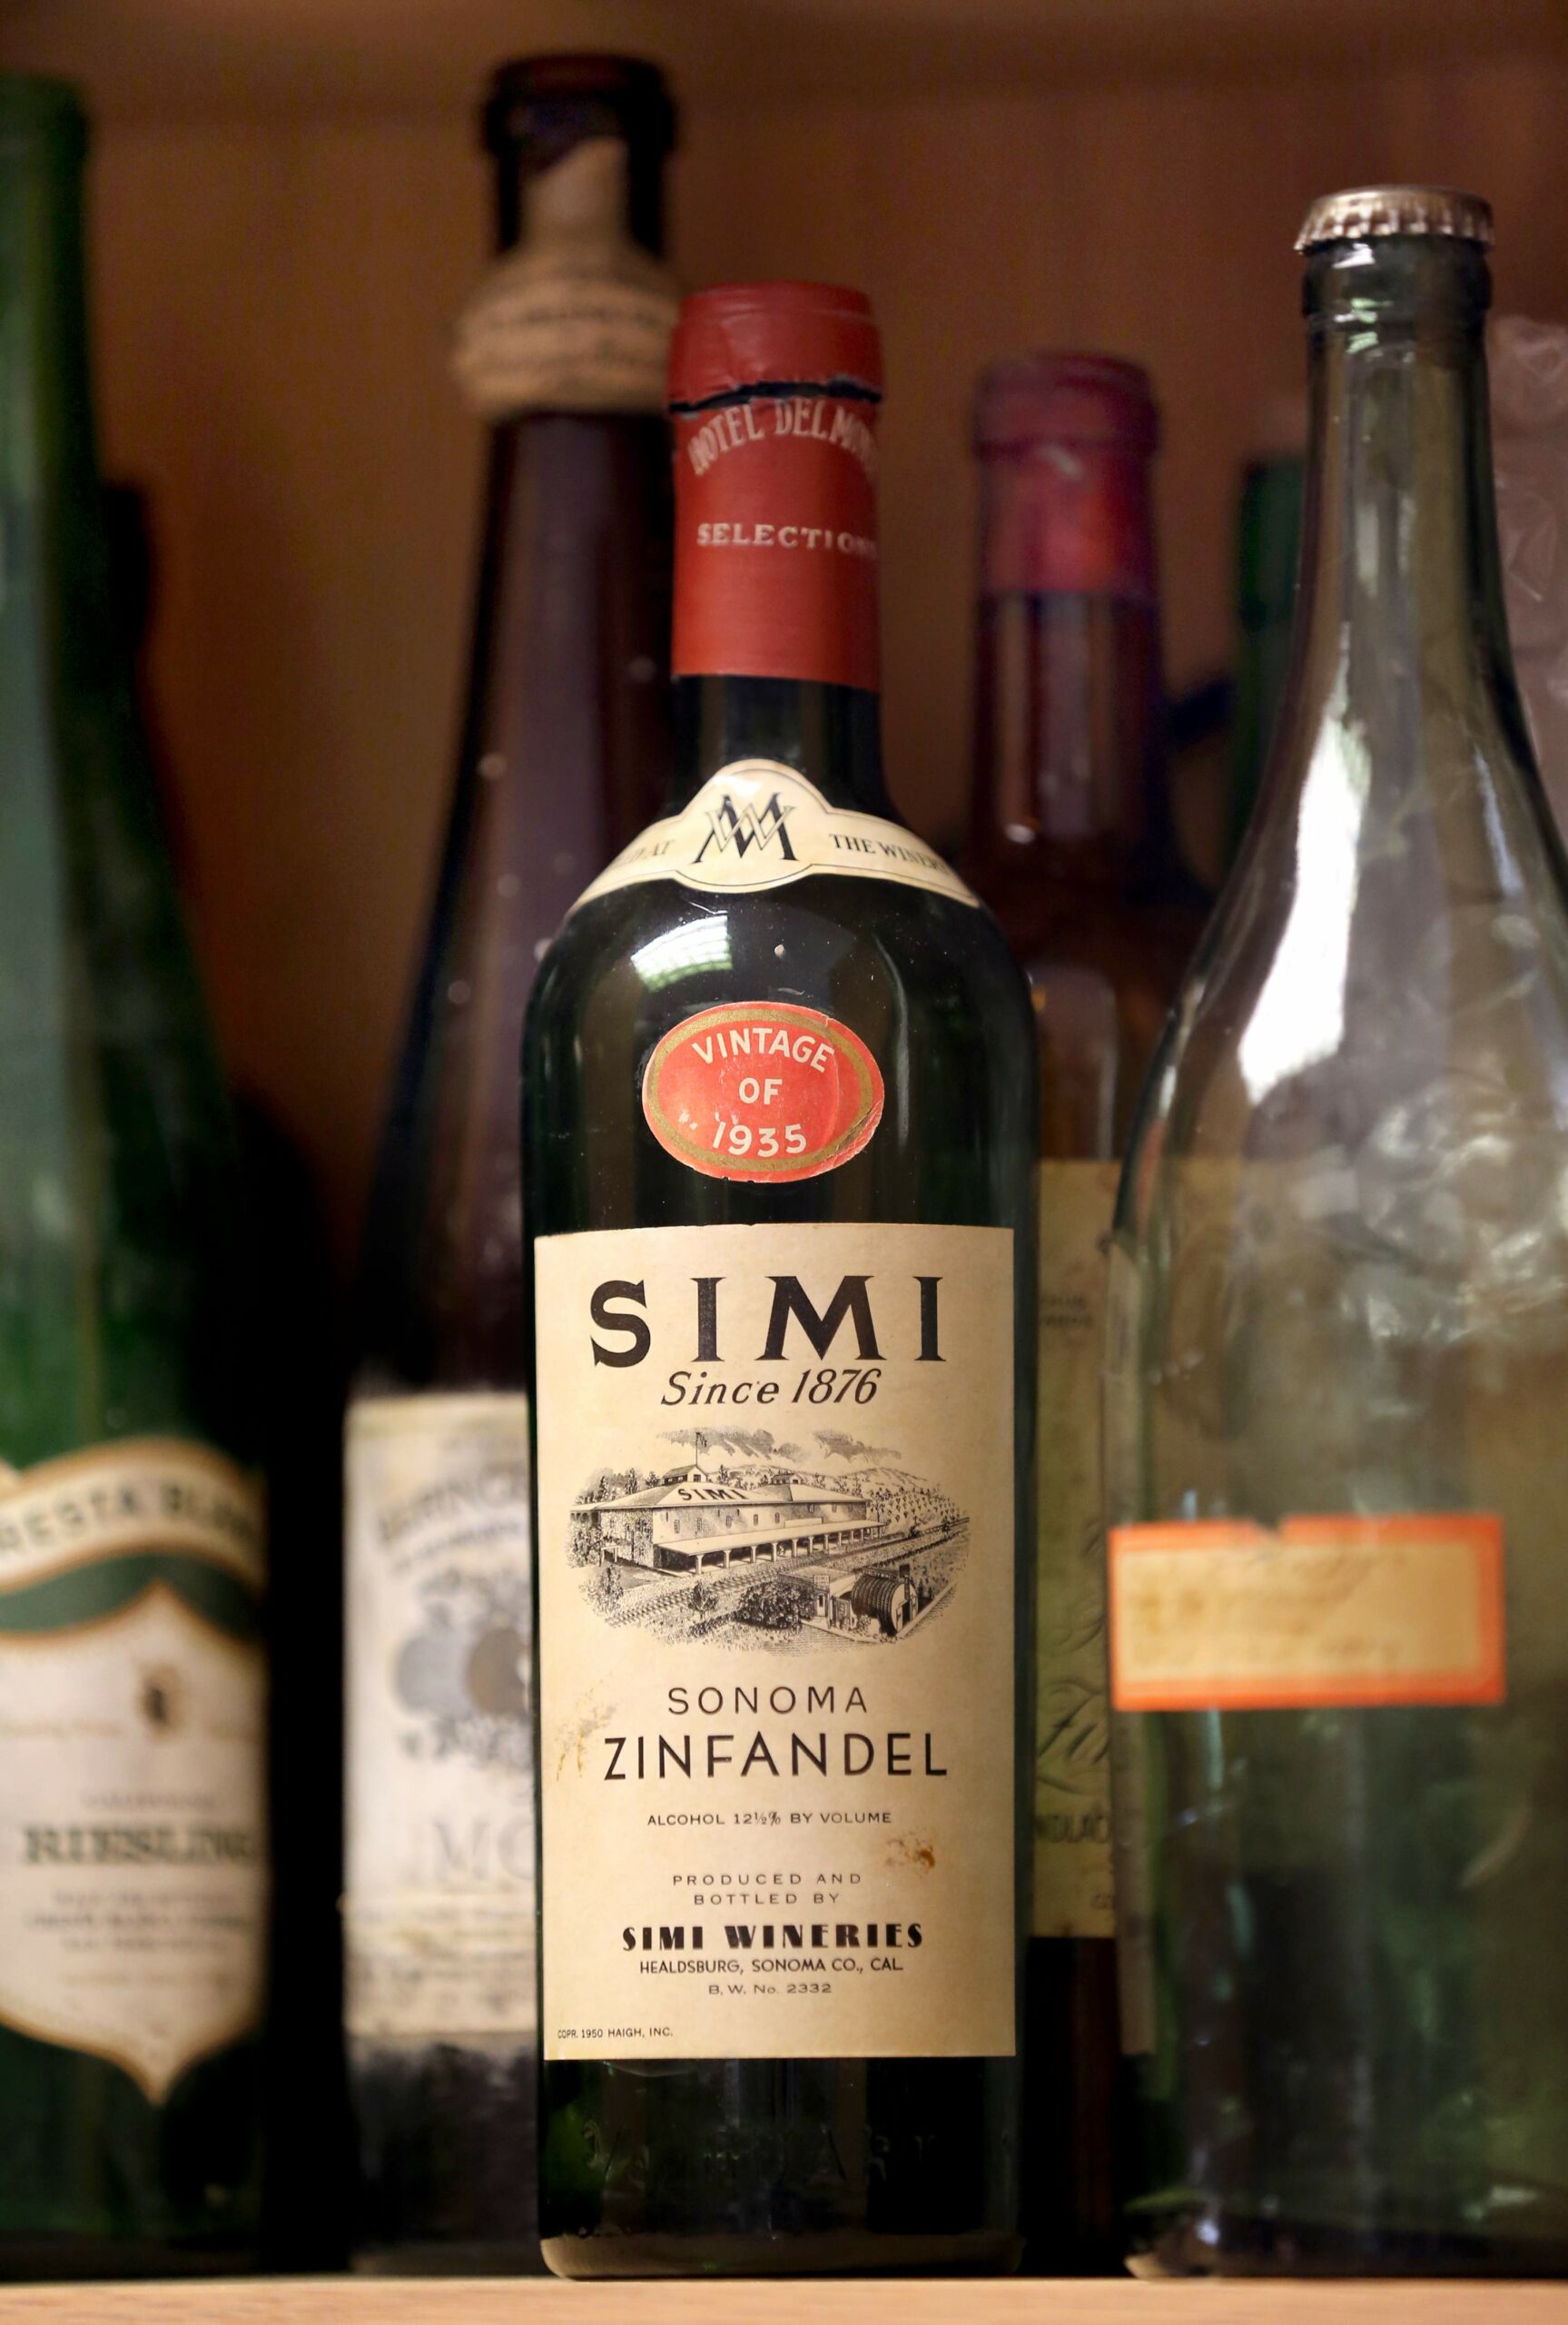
[1336, 1456]
[133, 1845]
[1071, 844]
[779, 1092]
[565, 754]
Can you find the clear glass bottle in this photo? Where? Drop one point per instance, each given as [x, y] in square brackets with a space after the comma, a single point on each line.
[780, 1102]
[133, 1808]
[564, 756]
[1338, 1367]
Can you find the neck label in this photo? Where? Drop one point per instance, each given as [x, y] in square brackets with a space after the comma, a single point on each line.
[775, 540]
[579, 317]
[756, 825]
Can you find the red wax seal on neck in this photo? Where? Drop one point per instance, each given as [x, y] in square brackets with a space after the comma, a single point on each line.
[1065, 444]
[773, 396]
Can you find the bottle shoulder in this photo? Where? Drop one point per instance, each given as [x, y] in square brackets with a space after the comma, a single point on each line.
[919, 987]
[651, 948]
[1371, 1050]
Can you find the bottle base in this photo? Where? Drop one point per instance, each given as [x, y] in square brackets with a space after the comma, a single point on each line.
[1221, 2244]
[438, 2260]
[83, 2260]
[849, 2253]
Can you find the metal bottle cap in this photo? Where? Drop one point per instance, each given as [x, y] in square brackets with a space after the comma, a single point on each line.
[1368, 213]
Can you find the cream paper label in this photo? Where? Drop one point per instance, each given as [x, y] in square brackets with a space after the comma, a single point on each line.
[578, 318]
[439, 1906]
[776, 1589]
[1073, 1894]
[133, 1811]
[757, 824]
[1374, 1609]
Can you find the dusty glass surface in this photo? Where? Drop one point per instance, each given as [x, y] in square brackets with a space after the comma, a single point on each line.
[1341, 1268]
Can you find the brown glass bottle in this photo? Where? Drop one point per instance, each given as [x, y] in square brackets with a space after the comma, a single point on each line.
[563, 756]
[1071, 845]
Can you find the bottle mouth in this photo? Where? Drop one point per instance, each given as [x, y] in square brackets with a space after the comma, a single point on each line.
[554, 100]
[1429, 286]
[37, 107]
[1027, 403]
[746, 339]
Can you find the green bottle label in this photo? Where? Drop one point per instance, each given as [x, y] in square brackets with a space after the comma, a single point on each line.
[132, 1833]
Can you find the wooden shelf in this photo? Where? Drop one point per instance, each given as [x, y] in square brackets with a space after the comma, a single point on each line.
[1016, 2301]
[315, 56]
[288, 209]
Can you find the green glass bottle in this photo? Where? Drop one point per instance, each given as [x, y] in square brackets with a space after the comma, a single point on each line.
[780, 1110]
[1338, 1369]
[1268, 550]
[132, 1840]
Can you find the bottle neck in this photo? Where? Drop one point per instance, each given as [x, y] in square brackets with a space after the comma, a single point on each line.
[576, 314]
[1068, 657]
[49, 485]
[775, 599]
[1067, 725]
[830, 734]
[611, 184]
[1400, 618]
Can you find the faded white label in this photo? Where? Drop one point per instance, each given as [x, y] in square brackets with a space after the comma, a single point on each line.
[577, 318]
[777, 1518]
[133, 1835]
[439, 1904]
[757, 824]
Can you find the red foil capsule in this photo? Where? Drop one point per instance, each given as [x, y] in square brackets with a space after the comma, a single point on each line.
[1066, 441]
[774, 395]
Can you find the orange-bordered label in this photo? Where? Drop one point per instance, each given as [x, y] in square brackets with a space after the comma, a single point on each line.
[1226, 1615]
[761, 1089]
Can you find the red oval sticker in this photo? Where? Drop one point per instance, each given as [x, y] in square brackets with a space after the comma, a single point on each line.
[761, 1089]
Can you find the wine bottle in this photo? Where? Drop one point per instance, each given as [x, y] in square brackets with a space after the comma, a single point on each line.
[1071, 844]
[563, 754]
[1340, 1359]
[132, 1754]
[779, 1094]
[297, 1403]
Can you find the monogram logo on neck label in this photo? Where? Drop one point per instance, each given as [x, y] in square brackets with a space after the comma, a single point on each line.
[747, 826]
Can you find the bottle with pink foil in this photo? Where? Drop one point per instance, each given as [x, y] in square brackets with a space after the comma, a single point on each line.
[1071, 844]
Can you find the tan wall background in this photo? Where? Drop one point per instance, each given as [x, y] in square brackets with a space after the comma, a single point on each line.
[273, 296]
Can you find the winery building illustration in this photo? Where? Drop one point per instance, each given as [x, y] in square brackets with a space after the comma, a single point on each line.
[692, 1520]
[841, 1541]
